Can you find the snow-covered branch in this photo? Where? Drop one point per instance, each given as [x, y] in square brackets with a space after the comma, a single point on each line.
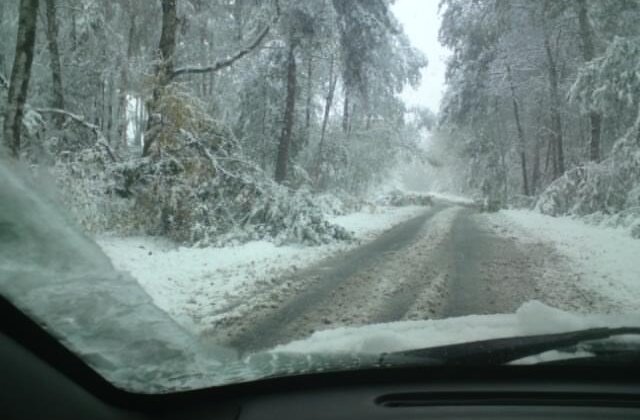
[80, 119]
[227, 61]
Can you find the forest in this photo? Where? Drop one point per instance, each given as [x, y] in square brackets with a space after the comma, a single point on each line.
[542, 107]
[208, 121]
[220, 121]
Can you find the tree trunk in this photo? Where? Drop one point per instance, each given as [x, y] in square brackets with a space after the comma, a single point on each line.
[588, 53]
[167, 47]
[535, 176]
[345, 112]
[289, 113]
[352, 115]
[263, 126]
[333, 81]
[556, 120]
[74, 30]
[503, 150]
[307, 119]
[549, 160]
[112, 108]
[164, 69]
[2, 58]
[238, 7]
[521, 139]
[54, 52]
[20, 75]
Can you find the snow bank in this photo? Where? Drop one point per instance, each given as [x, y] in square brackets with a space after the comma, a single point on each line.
[195, 284]
[605, 260]
[198, 286]
[530, 319]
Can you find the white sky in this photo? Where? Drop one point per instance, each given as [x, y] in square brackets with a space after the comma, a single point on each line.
[421, 23]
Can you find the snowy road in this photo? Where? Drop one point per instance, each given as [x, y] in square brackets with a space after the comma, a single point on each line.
[341, 290]
[406, 264]
[449, 261]
[496, 272]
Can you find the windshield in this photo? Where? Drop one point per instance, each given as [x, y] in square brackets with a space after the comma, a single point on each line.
[201, 193]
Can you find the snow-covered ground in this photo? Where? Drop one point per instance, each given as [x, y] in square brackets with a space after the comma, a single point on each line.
[603, 260]
[196, 286]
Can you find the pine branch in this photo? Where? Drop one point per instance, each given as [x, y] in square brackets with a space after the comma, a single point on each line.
[226, 62]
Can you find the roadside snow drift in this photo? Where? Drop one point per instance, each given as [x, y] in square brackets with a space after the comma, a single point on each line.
[604, 260]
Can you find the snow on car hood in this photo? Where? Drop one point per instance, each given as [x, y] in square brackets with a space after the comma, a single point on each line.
[531, 318]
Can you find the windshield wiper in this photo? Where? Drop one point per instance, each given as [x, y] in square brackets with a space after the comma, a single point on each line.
[502, 350]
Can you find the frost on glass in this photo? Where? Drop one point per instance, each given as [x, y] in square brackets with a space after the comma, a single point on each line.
[62, 279]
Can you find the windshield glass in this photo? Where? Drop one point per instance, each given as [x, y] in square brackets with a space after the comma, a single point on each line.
[201, 193]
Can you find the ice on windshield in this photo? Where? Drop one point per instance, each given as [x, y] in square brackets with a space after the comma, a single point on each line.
[198, 193]
[54, 273]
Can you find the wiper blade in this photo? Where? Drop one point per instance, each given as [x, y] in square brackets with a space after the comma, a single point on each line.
[502, 350]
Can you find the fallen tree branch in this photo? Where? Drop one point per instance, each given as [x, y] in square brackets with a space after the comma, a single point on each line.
[80, 119]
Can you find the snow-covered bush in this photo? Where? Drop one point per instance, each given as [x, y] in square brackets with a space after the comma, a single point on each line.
[213, 201]
[196, 187]
[85, 181]
[609, 187]
[607, 192]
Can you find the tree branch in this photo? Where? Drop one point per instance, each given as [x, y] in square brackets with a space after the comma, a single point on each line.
[80, 119]
[226, 62]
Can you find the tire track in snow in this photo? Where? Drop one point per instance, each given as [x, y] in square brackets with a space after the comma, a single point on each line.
[449, 261]
[494, 272]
